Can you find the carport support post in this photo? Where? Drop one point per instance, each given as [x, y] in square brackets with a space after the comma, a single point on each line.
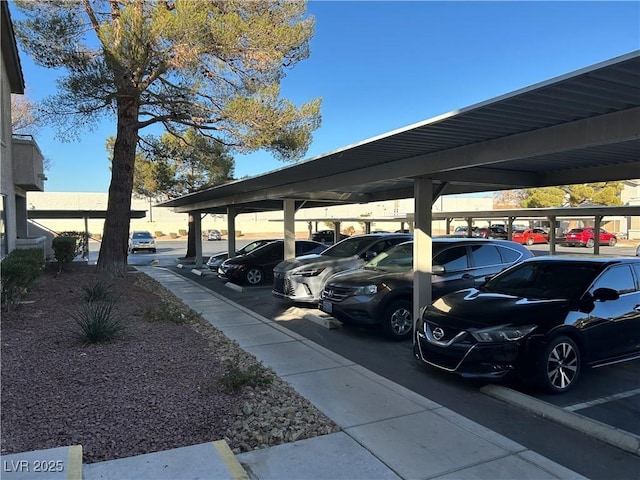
[422, 246]
[510, 221]
[597, 223]
[336, 232]
[367, 227]
[289, 206]
[231, 231]
[552, 235]
[85, 247]
[469, 226]
[310, 228]
[197, 231]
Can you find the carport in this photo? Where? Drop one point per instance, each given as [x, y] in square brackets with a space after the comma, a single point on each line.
[85, 215]
[577, 128]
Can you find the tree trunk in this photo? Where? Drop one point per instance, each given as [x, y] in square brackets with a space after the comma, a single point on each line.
[191, 239]
[115, 237]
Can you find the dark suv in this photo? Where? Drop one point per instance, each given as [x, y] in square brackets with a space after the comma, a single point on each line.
[381, 292]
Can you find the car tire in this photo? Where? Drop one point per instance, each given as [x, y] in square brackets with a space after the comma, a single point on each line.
[397, 322]
[590, 243]
[529, 241]
[254, 276]
[612, 242]
[559, 365]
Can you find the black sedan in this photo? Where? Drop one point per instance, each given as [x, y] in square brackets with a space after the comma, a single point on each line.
[216, 259]
[545, 318]
[326, 236]
[257, 266]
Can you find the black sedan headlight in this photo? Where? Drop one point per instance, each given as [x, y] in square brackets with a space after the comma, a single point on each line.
[502, 333]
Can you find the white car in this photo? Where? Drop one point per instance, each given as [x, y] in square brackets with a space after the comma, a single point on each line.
[141, 240]
[302, 279]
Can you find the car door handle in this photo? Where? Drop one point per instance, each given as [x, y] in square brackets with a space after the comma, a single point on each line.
[467, 276]
[637, 308]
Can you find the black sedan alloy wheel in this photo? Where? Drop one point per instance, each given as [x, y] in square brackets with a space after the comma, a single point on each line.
[560, 365]
[254, 276]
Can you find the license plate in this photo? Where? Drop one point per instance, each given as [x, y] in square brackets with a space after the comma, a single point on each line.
[326, 306]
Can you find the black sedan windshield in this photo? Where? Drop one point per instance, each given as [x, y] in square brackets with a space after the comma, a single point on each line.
[545, 280]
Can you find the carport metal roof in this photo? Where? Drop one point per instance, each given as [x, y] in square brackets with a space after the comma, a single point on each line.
[580, 127]
[59, 214]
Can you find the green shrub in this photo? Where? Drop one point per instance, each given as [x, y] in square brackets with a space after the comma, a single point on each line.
[19, 270]
[64, 250]
[96, 322]
[99, 291]
[235, 377]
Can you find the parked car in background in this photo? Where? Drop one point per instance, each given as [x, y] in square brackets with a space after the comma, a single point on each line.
[141, 240]
[302, 279]
[381, 292]
[490, 232]
[214, 235]
[216, 260]
[326, 236]
[545, 318]
[530, 236]
[585, 237]
[462, 231]
[257, 266]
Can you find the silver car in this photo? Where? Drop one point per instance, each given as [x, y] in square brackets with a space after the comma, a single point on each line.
[142, 240]
[302, 279]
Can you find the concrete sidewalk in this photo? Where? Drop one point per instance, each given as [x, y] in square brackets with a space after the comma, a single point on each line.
[388, 431]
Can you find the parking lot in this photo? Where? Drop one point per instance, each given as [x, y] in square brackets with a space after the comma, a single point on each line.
[610, 395]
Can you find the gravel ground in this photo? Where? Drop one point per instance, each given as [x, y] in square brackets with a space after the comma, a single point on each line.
[157, 385]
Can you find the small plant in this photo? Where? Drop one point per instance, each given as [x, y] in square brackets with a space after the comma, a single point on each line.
[19, 270]
[95, 322]
[171, 312]
[64, 250]
[97, 292]
[236, 377]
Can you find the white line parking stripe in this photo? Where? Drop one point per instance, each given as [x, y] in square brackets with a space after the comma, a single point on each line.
[600, 401]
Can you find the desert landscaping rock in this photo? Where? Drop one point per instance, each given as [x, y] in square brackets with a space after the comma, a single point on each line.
[154, 387]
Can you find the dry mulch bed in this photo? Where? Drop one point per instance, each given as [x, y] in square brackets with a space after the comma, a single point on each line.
[156, 386]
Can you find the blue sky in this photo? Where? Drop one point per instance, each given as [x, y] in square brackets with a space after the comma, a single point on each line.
[380, 66]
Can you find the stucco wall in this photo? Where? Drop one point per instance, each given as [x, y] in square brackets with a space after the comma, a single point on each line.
[165, 221]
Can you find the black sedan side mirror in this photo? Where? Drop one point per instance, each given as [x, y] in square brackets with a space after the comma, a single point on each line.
[605, 294]
[437, 270]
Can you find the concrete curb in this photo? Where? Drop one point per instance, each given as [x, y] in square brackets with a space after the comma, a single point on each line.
[322, 319]
[235, 287]
[230, 460]
[605, 433]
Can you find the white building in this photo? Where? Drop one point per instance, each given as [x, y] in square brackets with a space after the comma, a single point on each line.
[21, 163]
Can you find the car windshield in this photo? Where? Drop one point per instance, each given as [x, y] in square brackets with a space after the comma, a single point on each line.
[395, 260]
[349, 247]
[145, 235]
[253, 245]
[545, 280]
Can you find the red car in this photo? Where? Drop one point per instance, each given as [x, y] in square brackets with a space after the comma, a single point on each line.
[530, 236]
[585, 237]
